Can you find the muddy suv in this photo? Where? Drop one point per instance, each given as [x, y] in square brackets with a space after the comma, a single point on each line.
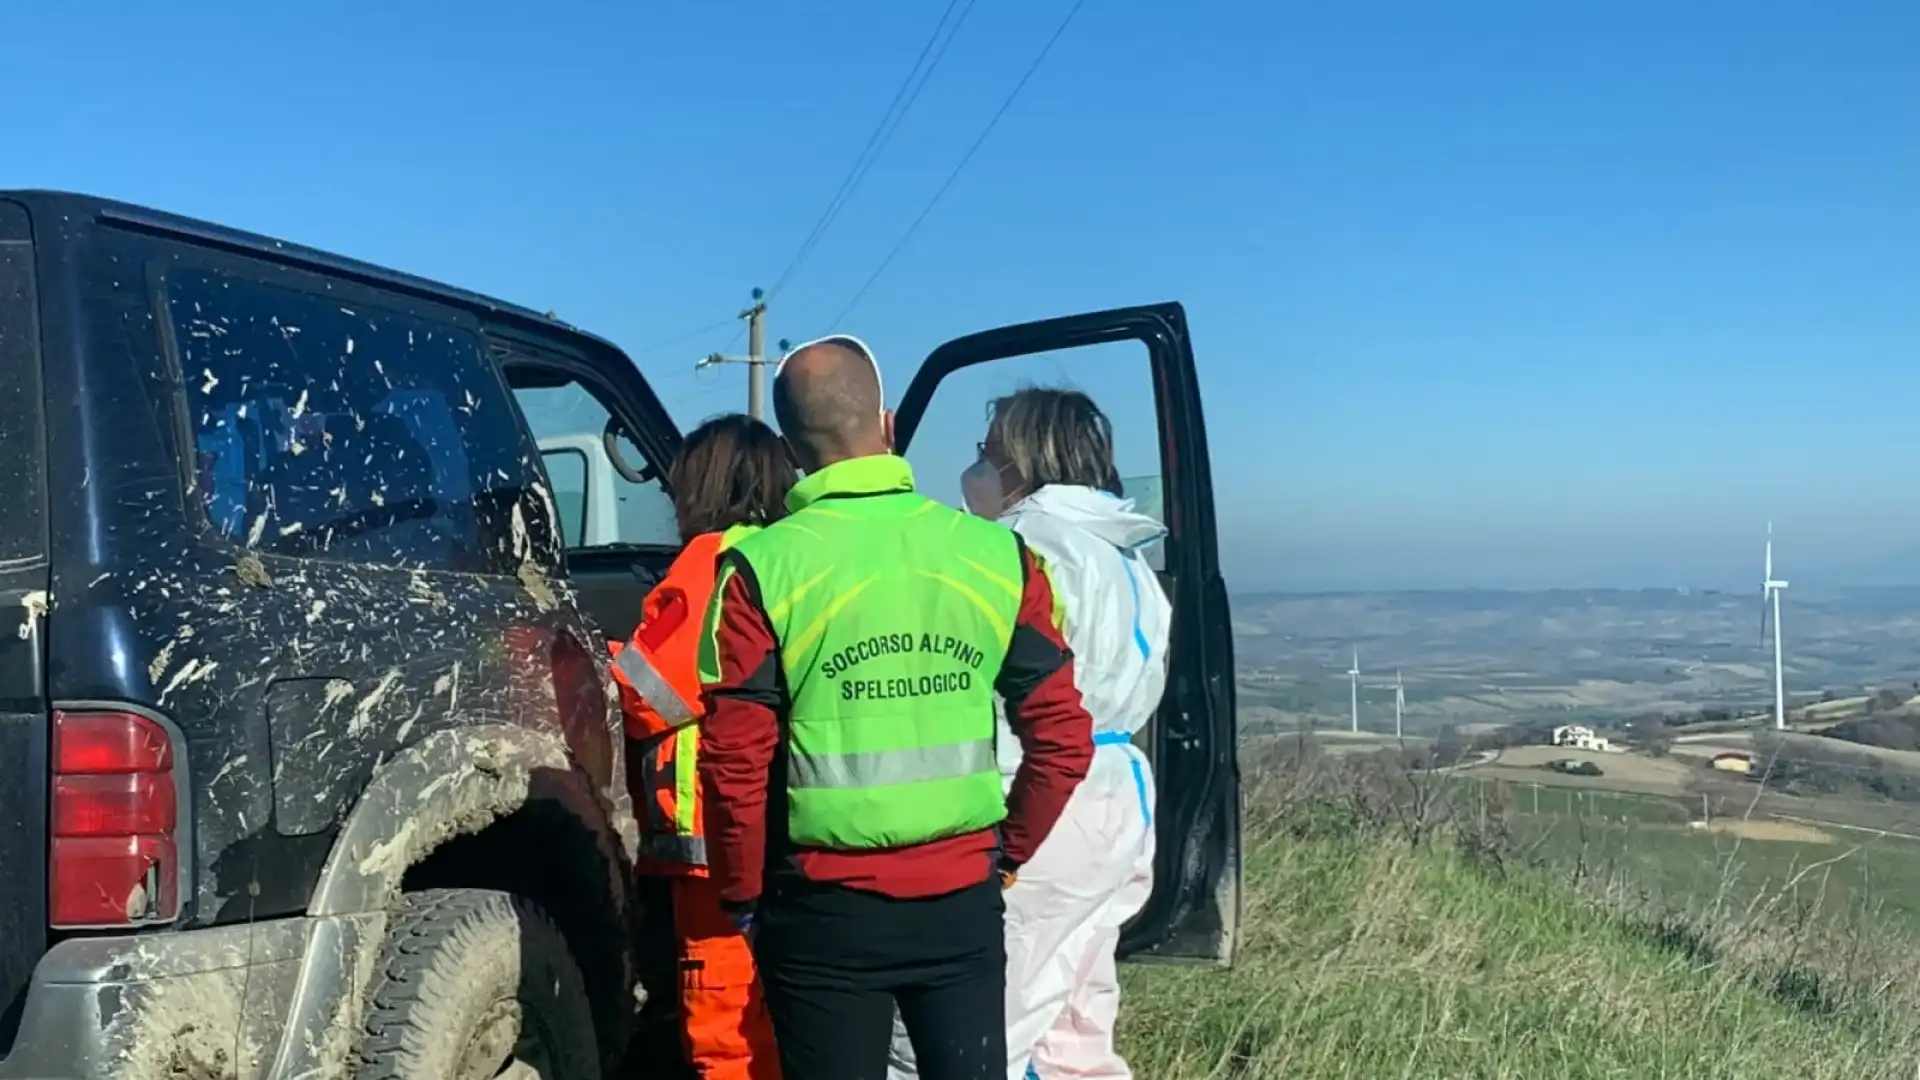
[308, 761]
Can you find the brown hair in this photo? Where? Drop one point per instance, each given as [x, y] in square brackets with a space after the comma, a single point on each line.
[732, 470]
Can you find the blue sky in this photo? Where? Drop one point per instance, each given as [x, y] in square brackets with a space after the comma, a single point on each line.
[1483, 293]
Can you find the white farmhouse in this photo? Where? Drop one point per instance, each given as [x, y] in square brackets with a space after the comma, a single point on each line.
[1579, 737]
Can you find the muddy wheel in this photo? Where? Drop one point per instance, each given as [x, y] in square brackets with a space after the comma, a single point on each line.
[477, 985]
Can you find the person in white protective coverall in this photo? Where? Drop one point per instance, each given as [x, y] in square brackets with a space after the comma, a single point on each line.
[1047, 471]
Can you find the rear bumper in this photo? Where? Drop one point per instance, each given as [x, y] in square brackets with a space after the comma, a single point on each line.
[278, 999]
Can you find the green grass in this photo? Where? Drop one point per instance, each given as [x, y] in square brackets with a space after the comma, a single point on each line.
[1547, 802]
[1643, 843]
[1855, 877]
[1386, 936]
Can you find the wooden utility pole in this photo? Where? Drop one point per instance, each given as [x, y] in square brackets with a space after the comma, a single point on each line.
[756, 358]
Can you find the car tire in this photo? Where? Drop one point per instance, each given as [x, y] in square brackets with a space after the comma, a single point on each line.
[474, 985]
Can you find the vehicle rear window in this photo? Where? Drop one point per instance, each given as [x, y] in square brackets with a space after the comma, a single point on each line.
[337, 430]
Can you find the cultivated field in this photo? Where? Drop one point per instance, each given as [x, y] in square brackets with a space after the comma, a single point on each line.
[1626, 771]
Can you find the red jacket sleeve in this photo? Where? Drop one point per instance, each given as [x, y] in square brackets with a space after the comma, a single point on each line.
[1046, 715]
[740, 734]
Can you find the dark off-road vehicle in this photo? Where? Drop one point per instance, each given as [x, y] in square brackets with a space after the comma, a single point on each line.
[309, 765]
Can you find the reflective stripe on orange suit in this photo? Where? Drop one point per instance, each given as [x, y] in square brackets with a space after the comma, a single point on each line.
[660, 695]
[724, 1020]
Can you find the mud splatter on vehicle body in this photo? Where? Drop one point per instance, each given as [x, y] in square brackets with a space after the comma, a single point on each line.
[309, 757]
[305, 625]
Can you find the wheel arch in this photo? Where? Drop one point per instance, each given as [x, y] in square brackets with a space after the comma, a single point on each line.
[496, 807]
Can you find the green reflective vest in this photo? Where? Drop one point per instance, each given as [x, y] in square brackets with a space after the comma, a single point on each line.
[893, 613]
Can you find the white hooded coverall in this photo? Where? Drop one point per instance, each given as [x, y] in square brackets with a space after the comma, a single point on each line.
[1095, 870]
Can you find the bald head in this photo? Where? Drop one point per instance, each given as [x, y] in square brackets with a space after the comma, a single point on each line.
[828, 400]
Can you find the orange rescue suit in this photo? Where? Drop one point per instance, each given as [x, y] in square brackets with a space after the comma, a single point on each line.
[727, 1032]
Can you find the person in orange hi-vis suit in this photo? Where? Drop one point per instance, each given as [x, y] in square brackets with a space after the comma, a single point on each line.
[731, 478]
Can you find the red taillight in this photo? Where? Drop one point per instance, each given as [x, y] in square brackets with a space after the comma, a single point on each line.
[92, 744]
[135, 804]
[115, 857]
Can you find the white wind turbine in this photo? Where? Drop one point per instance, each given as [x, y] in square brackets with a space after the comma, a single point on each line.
[1353, 679]
[1399, 705]
[1770, 590]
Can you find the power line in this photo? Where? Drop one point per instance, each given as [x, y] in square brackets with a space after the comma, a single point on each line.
[957, 169]
[694, 333]
[877, 141]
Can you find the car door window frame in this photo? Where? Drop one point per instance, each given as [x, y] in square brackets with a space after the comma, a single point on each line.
[647, 424]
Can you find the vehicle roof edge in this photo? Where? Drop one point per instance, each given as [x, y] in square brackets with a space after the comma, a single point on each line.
[288, 253]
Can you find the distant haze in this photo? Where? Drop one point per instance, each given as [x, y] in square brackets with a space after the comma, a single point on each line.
[1308, 555]
[1497, 656]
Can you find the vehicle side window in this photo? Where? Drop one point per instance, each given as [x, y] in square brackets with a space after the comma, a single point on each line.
[337, 430]
[568, 421]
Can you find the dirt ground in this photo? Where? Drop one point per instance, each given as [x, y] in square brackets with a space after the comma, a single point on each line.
[1776, 831]
[1631, 771]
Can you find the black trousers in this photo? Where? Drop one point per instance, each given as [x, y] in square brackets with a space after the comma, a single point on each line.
[835, 961]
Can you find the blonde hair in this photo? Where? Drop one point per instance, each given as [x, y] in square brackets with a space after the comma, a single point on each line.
[1055, 436]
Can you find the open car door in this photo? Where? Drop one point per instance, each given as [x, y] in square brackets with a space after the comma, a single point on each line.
[1193, 914]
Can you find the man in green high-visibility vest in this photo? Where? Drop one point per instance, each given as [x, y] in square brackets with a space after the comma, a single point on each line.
[855, 819]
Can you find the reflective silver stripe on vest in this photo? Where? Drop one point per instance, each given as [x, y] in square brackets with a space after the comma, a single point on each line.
[884, 768]
[691, 850]
[653, 689]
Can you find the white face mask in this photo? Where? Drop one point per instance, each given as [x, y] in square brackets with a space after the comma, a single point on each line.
[982, 491]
